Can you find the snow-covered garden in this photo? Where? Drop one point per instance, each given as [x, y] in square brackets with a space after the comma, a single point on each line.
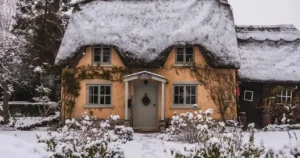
[190, 135]
[142, 145]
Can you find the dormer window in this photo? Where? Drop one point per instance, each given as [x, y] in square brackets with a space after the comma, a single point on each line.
[184, 55]
[102, 56]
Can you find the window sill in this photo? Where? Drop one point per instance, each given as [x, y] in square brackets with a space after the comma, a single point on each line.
[182, 64]
[184, 107]
[99, 106]
[102, 65]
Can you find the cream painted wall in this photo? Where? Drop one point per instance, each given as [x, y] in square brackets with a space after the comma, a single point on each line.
[118, 92]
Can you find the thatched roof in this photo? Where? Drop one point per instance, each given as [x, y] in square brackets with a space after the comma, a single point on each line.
[142, 30]
[269, 53]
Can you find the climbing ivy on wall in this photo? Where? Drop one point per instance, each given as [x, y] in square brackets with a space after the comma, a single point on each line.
[221, 87]
[71, 79]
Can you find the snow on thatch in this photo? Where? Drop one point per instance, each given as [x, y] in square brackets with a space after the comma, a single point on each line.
[269, 53]
[146, 28]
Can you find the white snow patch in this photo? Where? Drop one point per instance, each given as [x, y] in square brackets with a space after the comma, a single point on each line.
[13, 147]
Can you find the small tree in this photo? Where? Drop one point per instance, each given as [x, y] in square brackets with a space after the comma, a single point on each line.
[10, 56]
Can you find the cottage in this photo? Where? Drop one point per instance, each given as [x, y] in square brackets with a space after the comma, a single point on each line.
[137, 59]
[270, 58]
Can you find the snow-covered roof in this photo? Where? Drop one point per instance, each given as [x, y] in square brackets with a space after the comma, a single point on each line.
[272, 32]
[269, 53]
[143, 29]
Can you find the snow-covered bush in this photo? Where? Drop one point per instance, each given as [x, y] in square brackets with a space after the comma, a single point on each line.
[187, 125]
[213, 139]
[47, 106]
[124, 133]
[83, 138]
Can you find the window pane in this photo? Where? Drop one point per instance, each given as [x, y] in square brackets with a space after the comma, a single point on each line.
[176, 99]
[97, 55]
[188, 100]
[95, 99]
[181, 90]
[106, 55]
[91, 90]
[101, 99]
[193, 90]
[289, 93]
[97, 58]
[188, 90]
[107, 100]
[107, 90]
[283, 99]
[189, 54]
[181, 99]
[91, 99]
[176, 90]
[189, 51]
[193, 99]
[95, 90]
[102, 90]
[189, 58]
[179, 54]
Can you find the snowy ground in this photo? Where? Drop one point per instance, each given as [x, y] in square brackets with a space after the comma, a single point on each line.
[22, 144]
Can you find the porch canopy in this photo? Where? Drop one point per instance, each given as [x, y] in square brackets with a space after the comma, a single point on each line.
[145, 75]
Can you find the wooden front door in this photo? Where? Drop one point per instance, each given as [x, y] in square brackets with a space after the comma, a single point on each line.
[145, 107]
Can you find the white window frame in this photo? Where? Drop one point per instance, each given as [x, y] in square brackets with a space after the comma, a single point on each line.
[248, 91]
[284, 94]
[184, 105]
[184, 55]
[95, 63]
[91, 105]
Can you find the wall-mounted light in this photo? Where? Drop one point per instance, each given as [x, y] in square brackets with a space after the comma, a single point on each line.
[145, 82]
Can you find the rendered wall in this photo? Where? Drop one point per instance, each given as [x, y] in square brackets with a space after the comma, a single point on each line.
[118, 92]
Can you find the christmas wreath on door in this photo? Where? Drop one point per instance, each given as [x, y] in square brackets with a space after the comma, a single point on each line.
[145, 100]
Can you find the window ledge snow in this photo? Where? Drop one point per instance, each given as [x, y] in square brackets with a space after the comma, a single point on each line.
[185, 107]
[182, 64]
[99, 106]
[102, 65]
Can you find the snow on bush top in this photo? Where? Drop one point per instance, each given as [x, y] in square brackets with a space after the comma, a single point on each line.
[269, 53]
[146, 28]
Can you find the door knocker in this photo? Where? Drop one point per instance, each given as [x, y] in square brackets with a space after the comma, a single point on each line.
[146, 100]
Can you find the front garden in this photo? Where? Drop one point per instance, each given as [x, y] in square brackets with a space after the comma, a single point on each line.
[190, 135]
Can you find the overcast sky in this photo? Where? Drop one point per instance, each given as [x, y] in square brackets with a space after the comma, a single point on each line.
[266, 12]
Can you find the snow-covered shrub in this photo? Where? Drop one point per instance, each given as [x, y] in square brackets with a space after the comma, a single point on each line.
[82, 138]
[124, 133]
[187, 125]
[47, 107]
[213, 139]
[113, 120]
[28, 109]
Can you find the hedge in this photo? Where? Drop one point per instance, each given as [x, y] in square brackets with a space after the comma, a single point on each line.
[26, 109]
